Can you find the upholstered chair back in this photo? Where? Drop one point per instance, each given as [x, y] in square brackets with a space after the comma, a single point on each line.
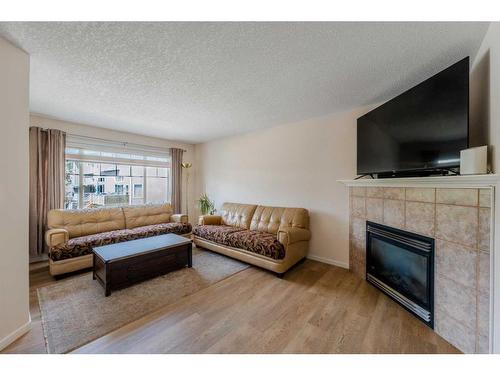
[139, 216]
[87, 221]
[271, 219]
[237, 214]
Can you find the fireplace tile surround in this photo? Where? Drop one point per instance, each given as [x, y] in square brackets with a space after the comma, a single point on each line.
[458, 219]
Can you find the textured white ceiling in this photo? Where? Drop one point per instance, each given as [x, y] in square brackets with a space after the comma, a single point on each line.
[199, 81]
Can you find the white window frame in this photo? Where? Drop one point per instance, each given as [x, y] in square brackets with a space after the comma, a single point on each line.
[82, 149]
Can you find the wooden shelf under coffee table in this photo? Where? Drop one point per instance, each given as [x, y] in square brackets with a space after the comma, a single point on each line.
[122, 264]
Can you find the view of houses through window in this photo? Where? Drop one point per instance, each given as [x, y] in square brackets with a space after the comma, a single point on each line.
[98, 184]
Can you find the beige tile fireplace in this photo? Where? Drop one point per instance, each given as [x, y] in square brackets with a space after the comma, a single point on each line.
[455, 211]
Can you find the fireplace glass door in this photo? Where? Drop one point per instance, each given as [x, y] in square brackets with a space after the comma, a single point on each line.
[400, 263]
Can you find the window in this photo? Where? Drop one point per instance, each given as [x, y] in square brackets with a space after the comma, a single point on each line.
[90, 184]
[111, 179]
[118, 189]
[138, 190]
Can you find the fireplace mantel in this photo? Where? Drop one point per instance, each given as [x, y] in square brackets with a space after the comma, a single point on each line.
[466, 181]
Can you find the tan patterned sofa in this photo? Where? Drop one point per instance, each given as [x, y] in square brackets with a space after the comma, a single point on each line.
[274, 238]
[73, 233]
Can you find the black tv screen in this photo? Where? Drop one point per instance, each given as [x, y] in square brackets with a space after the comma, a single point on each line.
[422, 129]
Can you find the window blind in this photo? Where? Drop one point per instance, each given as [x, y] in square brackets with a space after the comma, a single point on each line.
[105, 151]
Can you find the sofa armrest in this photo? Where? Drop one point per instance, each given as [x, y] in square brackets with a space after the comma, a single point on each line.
[55, 237]
[289, 235]
[179, 218]
[210, 220]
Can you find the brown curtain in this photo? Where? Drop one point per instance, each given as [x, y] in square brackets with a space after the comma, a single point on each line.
[176, 154]
[46, 182]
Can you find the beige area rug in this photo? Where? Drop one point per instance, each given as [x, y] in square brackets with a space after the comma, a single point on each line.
[75, 311]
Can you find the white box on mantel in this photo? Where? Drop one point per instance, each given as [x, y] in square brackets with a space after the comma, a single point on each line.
[474, 160]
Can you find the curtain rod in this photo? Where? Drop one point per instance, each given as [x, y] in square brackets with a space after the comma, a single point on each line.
[118, 142]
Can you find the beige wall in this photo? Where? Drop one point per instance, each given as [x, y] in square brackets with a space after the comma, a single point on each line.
[295, 165]
[485, 93]
[14, 120]
[92, 131]
[485, 87]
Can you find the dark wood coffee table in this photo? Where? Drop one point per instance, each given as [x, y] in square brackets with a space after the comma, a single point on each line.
[122, 264]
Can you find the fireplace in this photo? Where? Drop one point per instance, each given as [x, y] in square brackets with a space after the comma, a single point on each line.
[401, 264]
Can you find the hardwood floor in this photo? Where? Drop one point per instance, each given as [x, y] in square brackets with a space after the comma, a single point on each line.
[316, 308]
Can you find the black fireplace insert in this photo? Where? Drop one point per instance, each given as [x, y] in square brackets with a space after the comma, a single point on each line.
[401, 264]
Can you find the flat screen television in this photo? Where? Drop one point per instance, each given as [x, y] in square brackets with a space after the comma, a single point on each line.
[419, 131]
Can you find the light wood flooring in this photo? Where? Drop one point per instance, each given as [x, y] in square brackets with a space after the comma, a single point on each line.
[316, 308]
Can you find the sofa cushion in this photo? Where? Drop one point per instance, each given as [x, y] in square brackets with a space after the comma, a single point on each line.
[262, 243]
[258, 242]
[215, 233]
[164, 228]
[271, 219]
[237, 214]
[148, 214]
[79, 246]
[85, 222]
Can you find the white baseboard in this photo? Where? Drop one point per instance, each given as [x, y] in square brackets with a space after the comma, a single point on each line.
[329, 261]
[9, 339]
